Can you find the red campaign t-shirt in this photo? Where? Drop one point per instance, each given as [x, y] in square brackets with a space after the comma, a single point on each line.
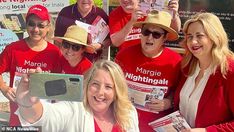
[18, 57]
[117, 20]
[165, 68]
[80, 68]
[115, 128]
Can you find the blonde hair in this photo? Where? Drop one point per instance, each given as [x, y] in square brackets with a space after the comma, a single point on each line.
[220, 50]
[121, 104]
[50, 34]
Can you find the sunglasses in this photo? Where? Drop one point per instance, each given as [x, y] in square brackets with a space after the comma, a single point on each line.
[67, 45]
[155, 35]
[39, 25]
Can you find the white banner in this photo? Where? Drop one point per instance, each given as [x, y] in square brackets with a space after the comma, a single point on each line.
[21, 6]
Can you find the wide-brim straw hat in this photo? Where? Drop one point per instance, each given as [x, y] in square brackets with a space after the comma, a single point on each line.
[160, 19]
[76, 35]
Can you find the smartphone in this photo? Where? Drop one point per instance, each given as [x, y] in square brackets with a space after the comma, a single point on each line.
[63, 87]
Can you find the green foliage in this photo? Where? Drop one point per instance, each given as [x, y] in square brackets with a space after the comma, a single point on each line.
[72, 1]
[97, 2]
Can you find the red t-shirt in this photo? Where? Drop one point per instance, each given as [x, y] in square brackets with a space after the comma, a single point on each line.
[80, 68]
[115, 128]
[18, 57]
[162, 71]
[118, 18]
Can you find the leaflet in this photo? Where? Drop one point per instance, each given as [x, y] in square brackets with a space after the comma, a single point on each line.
[148, 5]
[98, 30]
[173, 122]
[140, 94]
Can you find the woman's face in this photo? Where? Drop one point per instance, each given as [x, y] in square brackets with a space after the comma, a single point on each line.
[101, 91]
[129, 5]
[37, 29]
[85, 6]
[71, 52]
[152, 39]
[198, 43]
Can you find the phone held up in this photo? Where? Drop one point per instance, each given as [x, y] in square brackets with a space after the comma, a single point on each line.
[54, 86]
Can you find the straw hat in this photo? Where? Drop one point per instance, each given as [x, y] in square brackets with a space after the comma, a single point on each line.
[160, 19]
[76, 35]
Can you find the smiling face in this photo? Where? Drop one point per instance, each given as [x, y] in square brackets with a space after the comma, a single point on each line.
[85, 6]
[71, 52]
[198, 43]
[152, 40]
[101, 91]
[37, 29]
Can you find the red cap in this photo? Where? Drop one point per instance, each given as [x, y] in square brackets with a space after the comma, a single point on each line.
[39, 11]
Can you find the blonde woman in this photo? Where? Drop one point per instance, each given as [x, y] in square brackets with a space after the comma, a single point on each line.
[105, 107]
[205, 94]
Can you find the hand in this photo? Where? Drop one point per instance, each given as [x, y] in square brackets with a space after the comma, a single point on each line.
[96, 46]
[137, 14]
[194, 130]
[9, 93]
[23, 97]
[90, 49]
[159, 105]
[173, 6]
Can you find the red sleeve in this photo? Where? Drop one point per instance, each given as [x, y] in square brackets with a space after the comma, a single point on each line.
[227, 126]
[114, 22]
[86, 65]
[5, 59]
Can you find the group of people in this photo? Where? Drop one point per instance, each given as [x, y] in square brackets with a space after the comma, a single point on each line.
[199, 84]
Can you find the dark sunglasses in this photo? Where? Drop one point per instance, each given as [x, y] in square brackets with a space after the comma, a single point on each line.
[155, 35]
[67, 45]
[39, 25]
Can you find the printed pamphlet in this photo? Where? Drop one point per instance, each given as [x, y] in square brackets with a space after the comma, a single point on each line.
[98, 30]
[148, 5]
[140, 94]
[173, 122]
[102, 30]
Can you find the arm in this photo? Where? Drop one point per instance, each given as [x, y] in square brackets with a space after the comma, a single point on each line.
[175, 22]
[7, 91]
[119, 37]
[30, 108]
[106, 43]
[227, 125]
[5, 62]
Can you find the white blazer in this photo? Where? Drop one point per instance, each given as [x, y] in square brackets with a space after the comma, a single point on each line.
[70, 117]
